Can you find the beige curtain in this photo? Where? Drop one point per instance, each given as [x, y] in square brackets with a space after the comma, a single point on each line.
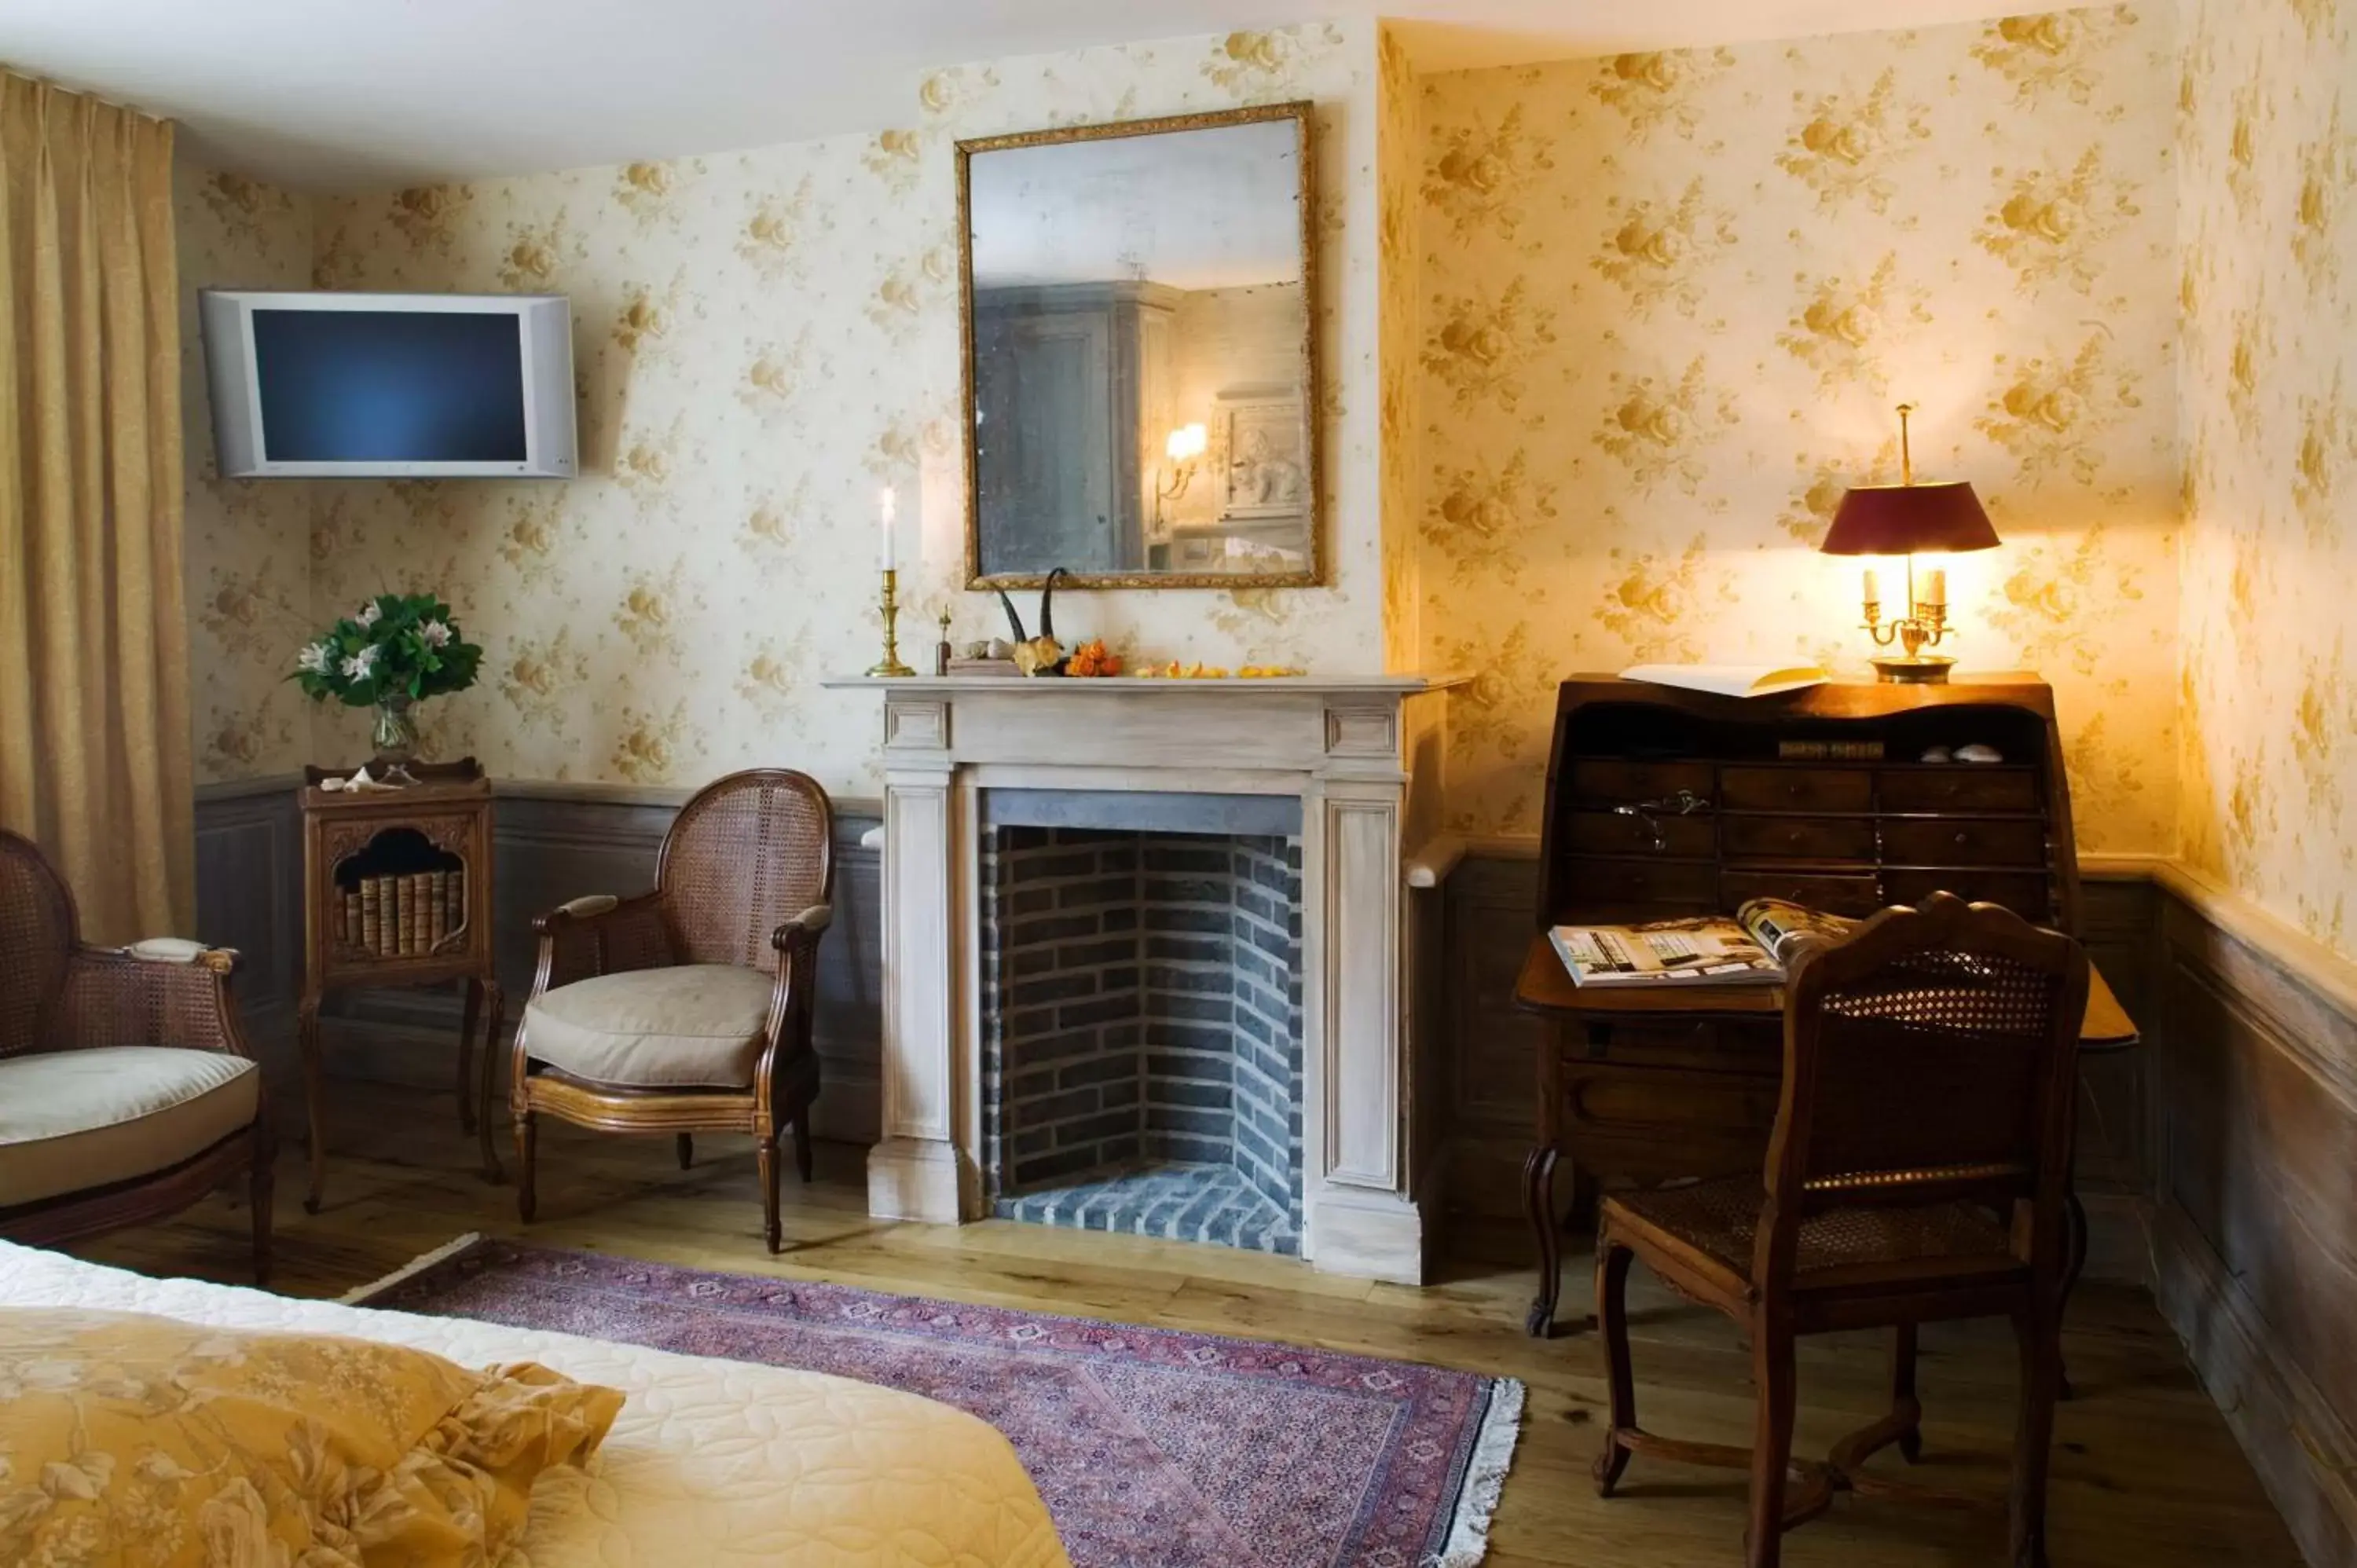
[94, 748]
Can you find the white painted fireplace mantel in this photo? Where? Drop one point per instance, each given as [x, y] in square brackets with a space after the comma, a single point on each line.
[1363, 755]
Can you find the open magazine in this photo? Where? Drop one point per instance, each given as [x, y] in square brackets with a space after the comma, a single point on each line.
[1758, 947]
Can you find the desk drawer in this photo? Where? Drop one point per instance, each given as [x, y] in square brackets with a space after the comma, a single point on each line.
[2023, 892]
[1797, 789]
[1603, 832]
[1702, 1045]
[1612, 782]
[1595, 880]
[1836, 892]
[1602, 1098]
[1965, 842]
[1959, 786]
[1798, 838]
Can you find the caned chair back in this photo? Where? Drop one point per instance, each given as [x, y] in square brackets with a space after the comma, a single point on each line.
[38, 934]
[1930, 1056]
[749, 853]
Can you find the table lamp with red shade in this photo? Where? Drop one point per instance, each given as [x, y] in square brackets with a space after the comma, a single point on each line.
[1910, 519]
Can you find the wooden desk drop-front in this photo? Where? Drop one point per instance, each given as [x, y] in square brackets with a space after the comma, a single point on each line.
[1663, 802]
[397, 891]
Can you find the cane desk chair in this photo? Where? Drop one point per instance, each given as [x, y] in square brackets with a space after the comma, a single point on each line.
[1917, 1174]
[127, 1090]
[688, 1009]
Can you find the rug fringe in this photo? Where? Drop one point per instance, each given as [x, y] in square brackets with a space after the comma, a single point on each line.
[1485, 1476]
[359, 1295]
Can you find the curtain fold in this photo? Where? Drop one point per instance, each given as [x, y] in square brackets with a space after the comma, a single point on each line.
[95, 760]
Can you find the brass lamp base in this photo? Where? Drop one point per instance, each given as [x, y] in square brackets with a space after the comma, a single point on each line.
[1913, 668]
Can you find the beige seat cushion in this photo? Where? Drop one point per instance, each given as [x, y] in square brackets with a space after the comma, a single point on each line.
[71, 1120]
[695, 1023]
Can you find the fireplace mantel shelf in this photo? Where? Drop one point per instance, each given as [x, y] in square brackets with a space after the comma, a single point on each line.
[1316, 685]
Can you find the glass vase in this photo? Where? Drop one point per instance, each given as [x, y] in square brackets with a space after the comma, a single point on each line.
[395, 732]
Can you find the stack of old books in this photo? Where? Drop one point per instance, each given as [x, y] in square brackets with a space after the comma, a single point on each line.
[405, 916]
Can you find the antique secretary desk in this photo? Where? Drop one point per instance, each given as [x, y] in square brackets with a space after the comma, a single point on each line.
[1664, 802]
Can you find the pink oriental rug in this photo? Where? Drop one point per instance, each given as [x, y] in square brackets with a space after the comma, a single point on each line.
[1154, 1449]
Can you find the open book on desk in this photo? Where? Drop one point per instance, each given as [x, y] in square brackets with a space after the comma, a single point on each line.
[1729, 679]
[1758, 946]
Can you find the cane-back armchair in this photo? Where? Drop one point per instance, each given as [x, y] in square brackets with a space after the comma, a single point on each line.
[688, 1009]
[1918, 1173]
[127, 1090]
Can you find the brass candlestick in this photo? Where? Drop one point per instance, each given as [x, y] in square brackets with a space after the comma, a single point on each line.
[890, 665]
[1924, 626]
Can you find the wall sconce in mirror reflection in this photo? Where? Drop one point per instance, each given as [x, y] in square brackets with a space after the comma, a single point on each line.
[1185, 449]
[1934, 518]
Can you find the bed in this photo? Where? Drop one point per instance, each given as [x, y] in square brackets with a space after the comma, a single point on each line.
[712, 1464]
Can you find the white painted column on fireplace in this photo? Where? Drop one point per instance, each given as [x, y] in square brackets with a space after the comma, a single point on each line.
[1361, 1218]
[915, 1172]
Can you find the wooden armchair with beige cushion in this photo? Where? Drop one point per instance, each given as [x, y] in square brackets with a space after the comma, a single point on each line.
[687, 1009]
[127, 1090]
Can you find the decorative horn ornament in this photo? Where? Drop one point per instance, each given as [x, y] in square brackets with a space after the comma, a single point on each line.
[1048, 603]
[1014, 622]
[1041, 655]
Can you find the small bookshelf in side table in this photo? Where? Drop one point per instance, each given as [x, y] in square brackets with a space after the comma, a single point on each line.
[397, 891]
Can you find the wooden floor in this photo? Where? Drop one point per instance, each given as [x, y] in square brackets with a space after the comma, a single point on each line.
[2146, 1475]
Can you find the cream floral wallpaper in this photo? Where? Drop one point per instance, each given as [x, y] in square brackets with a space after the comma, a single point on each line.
[2267, 176]
[762, 340]
[248, 543]
[1669, 301]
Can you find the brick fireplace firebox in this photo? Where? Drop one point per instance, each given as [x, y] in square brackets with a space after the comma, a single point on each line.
[1141, 1047]
[1353, 762]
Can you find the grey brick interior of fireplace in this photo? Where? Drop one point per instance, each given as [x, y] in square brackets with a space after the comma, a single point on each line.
[1142, 1030]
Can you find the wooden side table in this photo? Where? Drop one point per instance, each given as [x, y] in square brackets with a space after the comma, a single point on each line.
[397, 891]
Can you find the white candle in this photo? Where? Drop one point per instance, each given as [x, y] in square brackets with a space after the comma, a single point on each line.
[1873, 587]
[885, 504]
[1935, 586]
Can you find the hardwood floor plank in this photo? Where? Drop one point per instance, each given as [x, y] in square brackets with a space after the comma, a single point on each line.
[2146, 1474]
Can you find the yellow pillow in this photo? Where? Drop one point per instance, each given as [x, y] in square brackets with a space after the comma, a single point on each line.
[150, 1442]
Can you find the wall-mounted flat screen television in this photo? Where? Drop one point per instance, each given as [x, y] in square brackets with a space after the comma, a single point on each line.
[390, 386]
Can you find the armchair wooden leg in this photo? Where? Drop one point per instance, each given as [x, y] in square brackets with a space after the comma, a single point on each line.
[1771, 1443]
[261, 1184]
[687, 1143]
[772, 1233]
[527, 1136]
[1612, 1263]
[2037, 1332]
[803, 1165]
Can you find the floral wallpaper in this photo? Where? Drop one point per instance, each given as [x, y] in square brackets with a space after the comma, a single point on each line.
[248, 543]
[762, 340]
[2267, 182]
[1669, 302]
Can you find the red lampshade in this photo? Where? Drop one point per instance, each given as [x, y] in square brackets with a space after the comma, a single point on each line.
[1902, 520]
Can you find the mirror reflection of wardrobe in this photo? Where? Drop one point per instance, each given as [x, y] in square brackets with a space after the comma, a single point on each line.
[1068, 380]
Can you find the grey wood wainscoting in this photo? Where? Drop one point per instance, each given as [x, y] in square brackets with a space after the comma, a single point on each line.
[552, 841]
[2255, 1257]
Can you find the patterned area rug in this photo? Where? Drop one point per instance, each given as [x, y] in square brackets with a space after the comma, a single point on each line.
[1154, 1449]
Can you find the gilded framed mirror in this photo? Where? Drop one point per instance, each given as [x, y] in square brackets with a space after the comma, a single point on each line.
[1139, 308]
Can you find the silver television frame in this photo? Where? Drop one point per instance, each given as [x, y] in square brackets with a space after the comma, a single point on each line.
[544, 323]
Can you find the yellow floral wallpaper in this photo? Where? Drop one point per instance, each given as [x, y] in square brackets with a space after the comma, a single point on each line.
[2267, 187]
[1669, 300]
[762, 340]
[248, 544]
